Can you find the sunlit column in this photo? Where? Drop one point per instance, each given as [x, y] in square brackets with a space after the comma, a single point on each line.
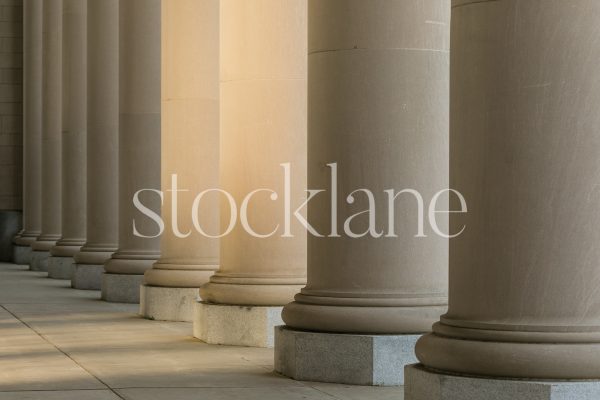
[139, 149]
[190, 159]
[102, 144]
[32, 129]
[263, 125]
[74, 105]
[524, 300]
[377, 125]
[51, 135]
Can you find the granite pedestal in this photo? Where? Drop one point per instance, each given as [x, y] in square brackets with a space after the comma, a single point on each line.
[168, 303]
[251, 326]
[371, 360]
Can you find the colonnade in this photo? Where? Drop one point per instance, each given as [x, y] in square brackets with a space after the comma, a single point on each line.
[262, 99]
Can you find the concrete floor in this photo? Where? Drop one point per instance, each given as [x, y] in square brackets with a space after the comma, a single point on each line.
[57, 343]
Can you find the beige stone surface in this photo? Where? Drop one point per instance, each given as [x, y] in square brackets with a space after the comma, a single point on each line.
[139, 134]
[61, 340]
[524, 274]
[190, 115]
[32, 120]
[378, 107]
[74, 129]
[102, 133]
[51, 126]
[263, 124]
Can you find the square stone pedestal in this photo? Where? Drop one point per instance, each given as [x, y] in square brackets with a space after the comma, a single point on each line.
[168, 303]
[87, 276]
[121, 288]
[250, 326]
[369, 360]
[61, 267]
[22, 254]
[422, 384]
[39, 260]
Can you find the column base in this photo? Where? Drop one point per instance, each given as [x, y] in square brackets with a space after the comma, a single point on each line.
[168, 303]
[251, 326]
[424, 384]
[87, 276]
[39, 260]
[121, 288]
[22, 255]
[354, 359]
[60, 267]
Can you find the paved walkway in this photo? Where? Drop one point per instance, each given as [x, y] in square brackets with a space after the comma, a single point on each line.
[57, 343]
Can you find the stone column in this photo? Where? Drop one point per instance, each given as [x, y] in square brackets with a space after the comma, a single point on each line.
[524, 300]
[263, 125]
[32, 129]
[51, 135]
[102, 144]
[139, 149]
[378, 126]
[190, 158]
[74, 104]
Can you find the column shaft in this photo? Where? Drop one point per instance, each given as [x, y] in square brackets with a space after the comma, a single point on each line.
[32, 121]
[139, 147]
[524, 299]
[102, 133]
[378, 107]
[378, 150]
[190, 158]
[51, 134]
[74, 112]
[263, 125]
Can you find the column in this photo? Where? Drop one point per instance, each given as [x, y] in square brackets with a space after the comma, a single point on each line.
[74, 104]
[32, 129]
[190, 159]
[378, 147]
[139, 150]
[524, 301]
[102, 144]
[263, 125]
[51, 136]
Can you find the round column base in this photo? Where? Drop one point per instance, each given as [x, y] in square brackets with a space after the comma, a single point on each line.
[64, 250]
[251, 326]
[120, 265]
[168, 303]
[87, 276]
[39, 260]
[121, 288]
[511, 354]
[60, 267]
[369, 320]
[22, 254]
[248, 294]
[368, 360]
[423, 384]
[92, 257]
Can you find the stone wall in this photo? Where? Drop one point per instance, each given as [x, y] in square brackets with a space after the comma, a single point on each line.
[11, 109]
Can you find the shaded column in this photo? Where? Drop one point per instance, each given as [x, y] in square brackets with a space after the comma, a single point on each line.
[51, 135]
[74, 105]
[32, 129]
[190, 159]
[377, 129]
[524, 300]
[102, 144]
[139, 149]
[263, 125]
